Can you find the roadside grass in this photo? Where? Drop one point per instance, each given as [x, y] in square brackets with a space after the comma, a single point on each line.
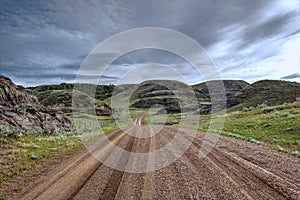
[163, 119]
[85, 122]
[276, 127]
[21, 152]
[109, 128]
[89, 136]
[134, 112]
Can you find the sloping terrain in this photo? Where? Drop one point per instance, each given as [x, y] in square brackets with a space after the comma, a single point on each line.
[232, 88]
[274, 126]
[161, 92]
[175, 96]
[21, 110]
[268, 92]
[62, 100]
[101, 91]
[172, 95]
[155, 88]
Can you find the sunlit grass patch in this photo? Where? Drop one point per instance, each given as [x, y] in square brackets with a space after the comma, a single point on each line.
[24, 151]
[276, 126]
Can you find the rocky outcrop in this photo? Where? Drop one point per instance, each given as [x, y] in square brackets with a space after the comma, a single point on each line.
[170, 105]
[20, 110]
[171, 96]
[232, 90]
[175, 96]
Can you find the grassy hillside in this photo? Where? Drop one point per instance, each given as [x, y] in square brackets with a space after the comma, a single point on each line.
[170, 94]
[22, 152]
[275, 126]
[55, 97]
[63, 99]
[269, 93]
[232, 87]
[239, 93]
[160, 87]
[161, 91]
[102, 91]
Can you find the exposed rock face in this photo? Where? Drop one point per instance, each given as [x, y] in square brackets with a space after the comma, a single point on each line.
[173, 96]
[21, 110]
[162, 92]
[236, 94]
[169, 88]
[61, 100]
[232, 88]
[171, 105]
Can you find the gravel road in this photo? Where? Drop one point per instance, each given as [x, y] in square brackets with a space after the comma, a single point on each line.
[234, 169]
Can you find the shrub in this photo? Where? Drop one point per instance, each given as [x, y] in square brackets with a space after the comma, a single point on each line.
[296, 153]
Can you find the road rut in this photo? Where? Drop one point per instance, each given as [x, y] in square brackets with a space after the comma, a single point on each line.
[234, 169]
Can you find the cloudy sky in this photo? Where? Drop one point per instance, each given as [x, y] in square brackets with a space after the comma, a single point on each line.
[43, 42]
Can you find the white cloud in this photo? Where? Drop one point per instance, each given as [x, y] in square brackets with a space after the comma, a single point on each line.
[288, 61]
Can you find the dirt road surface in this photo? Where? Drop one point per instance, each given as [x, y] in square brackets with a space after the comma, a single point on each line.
[234, 169]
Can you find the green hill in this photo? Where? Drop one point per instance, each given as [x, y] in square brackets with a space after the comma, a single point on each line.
[175, 95]
[268, 93]
[62, 100]
[232, 89]
[101, 91]
[172, 95]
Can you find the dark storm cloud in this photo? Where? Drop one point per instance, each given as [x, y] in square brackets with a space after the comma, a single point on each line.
[71, 66]
[268, 28]
[291, 76]
[207, 18]
[148, 56]
[67, 77]
[55, 36]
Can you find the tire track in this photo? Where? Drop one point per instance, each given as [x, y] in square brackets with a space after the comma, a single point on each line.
[249, 176]
[132, 183]
[283, 165]
[149, 181]
[246, 173]
[114, 182]
[212, 182]
[46, 186]
[179, 180]
[225, 173]
[110, 178]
